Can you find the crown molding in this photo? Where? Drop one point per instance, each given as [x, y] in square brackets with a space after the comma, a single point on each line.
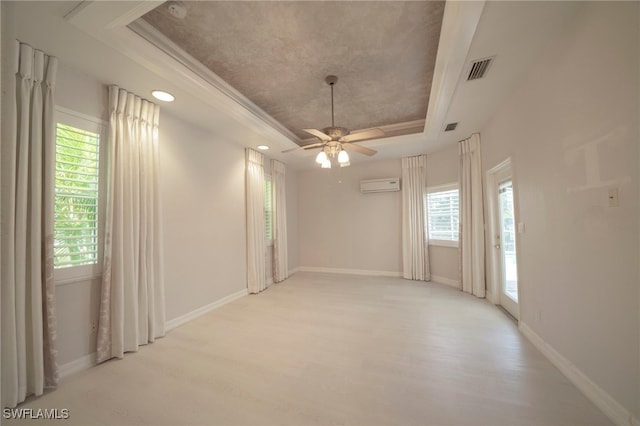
[459, 25]
[402, 126]
[110, 21]
[155, 37]
[113, 23]
[97, 15]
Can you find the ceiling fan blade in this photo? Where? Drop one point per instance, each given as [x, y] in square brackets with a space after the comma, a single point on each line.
[318, 134]
[310, 146]
[365, 134]
[313, 145]
[292, 149]
[360, 149]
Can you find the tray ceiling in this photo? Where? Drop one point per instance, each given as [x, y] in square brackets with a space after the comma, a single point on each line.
[277, 54]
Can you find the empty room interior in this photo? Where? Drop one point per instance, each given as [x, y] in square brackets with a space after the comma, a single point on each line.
[320, 212]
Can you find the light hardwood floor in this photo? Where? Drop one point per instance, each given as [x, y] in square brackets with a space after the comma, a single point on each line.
[324, 349]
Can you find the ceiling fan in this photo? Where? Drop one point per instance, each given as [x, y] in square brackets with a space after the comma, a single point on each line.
[336, 141]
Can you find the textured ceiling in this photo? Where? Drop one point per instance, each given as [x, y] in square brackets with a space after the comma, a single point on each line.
[277, 54]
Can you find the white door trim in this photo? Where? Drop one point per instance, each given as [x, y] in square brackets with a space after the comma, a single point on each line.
[494, 270]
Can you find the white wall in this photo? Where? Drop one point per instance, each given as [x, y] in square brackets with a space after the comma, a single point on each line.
[204, 223]
[442, 166]
[292, 219]
[445, 264]
[571, 130]
[442, 169]
[204, 216]
[202, 191]
[77, 303]
[203, 200]
[341, 228]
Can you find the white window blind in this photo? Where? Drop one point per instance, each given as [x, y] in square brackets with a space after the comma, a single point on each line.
[268, 209]
[443, 213]
[76, 197]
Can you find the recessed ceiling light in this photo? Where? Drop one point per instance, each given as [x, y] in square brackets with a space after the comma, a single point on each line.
[263, 147]
[163, 96]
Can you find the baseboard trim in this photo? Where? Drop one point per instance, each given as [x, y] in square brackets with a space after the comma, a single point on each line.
[294, 270]
[609, 406]
[446, 281]
[350, 271]
[78, 365]
[90, 360]
[176, 322]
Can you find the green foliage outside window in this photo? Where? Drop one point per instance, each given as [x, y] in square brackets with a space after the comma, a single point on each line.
[76, 197]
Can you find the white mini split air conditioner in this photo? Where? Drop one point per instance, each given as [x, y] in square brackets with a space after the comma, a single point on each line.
[380, 185]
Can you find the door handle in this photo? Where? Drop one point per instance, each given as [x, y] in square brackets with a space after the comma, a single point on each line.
[497, 246]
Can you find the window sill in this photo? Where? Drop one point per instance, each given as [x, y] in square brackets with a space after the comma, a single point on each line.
[74, 280]
[443, 243]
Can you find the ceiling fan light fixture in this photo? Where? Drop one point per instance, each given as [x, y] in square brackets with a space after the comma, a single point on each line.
[333, 139]
[343, 157]
[321, 157]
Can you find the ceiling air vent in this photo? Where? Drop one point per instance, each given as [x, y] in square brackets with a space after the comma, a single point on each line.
[479, 68]
[450, 127]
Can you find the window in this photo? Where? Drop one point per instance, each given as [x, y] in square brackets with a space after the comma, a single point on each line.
[443, 215]
[268, 209]
[76, 221]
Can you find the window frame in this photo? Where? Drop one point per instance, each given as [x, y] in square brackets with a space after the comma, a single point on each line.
[73, 274]
[441, 188]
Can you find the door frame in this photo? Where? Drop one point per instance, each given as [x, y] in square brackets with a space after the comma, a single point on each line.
[494, 270]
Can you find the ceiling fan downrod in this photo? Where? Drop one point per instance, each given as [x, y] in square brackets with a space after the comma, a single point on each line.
[332, 123]
[335, 140]
[331, 80]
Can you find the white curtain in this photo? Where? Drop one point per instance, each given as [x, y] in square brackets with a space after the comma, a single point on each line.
[415, 243]
[279, 206]
[28, 291]
[256, 232]
[471, 217]
[132, 311]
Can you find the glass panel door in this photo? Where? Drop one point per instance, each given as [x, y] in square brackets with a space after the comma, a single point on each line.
[502, 271]
[508, 242]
